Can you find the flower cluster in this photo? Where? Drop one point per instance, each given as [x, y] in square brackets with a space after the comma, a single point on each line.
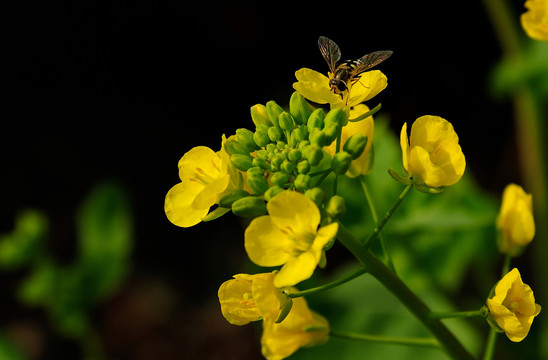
[282, 176]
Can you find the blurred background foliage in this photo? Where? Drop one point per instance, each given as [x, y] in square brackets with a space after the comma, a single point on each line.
[120, 91]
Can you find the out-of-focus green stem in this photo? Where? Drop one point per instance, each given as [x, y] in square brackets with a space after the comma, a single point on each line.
[408, 298]
[429, 343]
[330, 285]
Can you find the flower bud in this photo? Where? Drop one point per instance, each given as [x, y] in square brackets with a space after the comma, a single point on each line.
[303, 166]
[245, 137]
[288, 166]
[232, 147]
[302, 182]
[272, 191]
[259, 115]
[355, 145]
[299, 134]
[279, 178]
[313, 153]
[299, 108]
[316, 119]
[241, 162]
[286, 122]
[317, 137]
[258, 184]
[275, 133]
[317, 195]
[250, 206]
[227, 200]
[335, 207]
[336, 116]
[515, 221]
[262, 163]
[273, 110]
[331, 132]
[294, 155]
[341, 162]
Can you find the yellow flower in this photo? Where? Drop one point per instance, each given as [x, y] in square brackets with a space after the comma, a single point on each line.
[535, 21]
[301, 328]
[432, 156]
[513, 306]
[289, 236]
[363, 164]
[249, 298]
[205, 176]
[315, 87]
[515, 220]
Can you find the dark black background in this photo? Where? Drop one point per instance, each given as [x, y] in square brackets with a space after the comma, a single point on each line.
[122, 89]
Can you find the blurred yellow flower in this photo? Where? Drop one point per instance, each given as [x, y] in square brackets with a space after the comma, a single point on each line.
[432, 156]
[515, 220]
[289, 236]
[535, 20]
[205, 177]
[301, 328]
[364, 163]
[249, 298]
[513, 306]
[315, 87]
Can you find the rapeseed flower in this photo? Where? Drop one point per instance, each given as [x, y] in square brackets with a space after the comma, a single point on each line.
[515, 220]
[513, 306]
[432, 156]
[205, 176]
[535, 20]
[289, 236]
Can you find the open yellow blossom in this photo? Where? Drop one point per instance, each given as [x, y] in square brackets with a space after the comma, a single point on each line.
[289, 236]
[314, 86]
[249, 298]
[535, 20]
[432, 156]
[515, 220]
[205, 176]
[513, 306]
[301, 328]
[364, 163]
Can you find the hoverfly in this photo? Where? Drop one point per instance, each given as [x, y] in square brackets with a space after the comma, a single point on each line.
[348, 72]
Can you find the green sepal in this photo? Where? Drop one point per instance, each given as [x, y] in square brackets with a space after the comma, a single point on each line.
[299, 108]
[323, 259]
[275, 133]
[405, 180]
[355, 145]
[337, 116]
[245, 137]
[286, 122]
[257, 183]
[429, 189]
[251, 206]
[341, 162]
[493, 324]
[217, 213]
[232, 147]
[316, 119]
[260, 137]
[241, 162]
[285, 308]
[318, 137]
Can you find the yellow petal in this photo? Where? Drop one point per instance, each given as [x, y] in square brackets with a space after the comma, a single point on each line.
[368, 86]
[315, 87]
[267, 296]
[201, 160]
[179, 204]
[265, 244]
[294, 213]
[235, 308]
[404, 143]
[296, 269]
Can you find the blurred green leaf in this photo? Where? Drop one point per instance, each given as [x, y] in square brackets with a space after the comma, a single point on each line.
[9, 351]
[24, 244]
[104, 225]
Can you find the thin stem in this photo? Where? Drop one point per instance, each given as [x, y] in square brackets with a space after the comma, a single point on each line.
[407, 297]
[330, 285]
[387, 216]
[429, 343]
[491, 342]
[367, 114]
[373, 210]
[506, 265]
[457, 314]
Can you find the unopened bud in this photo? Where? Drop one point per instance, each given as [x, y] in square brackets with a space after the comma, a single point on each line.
[313, 153]
[241, 162]
[299, 108]
[335, 207]
[259, 115]
[273, 110]
[302, 182]
[316, 194]
[286, 122]
[341, 162]
[227, 200]
[355, 145]
[245, 137]
[250, 206]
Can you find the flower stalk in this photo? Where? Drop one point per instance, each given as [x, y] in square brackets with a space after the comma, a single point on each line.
[418, 342]
[315, 290]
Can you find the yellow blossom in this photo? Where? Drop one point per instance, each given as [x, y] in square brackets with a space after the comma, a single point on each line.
[301, 328]
[515, 220]
[432, 156]
[289, 236]
[513, 306]
[249, 298]
[205, 177]
[535, 20]
[364, 163]
[315, 87]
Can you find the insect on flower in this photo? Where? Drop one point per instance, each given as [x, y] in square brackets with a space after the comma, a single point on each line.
[348, 72]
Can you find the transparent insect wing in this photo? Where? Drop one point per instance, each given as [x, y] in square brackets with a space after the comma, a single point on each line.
[330, 51]
[370, 60]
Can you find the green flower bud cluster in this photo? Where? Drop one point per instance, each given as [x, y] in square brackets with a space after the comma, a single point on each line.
[286, 150]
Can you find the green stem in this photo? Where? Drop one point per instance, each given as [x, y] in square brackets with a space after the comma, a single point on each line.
[429, 343]
[407, 297]
[387, 216]
[330, 285]
[506, 265]
[457, 314]
[373, 210]
[367, 114]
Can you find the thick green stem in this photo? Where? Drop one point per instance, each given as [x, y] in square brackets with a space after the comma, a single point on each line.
[430, 343]
[407, 297]
[387, 216]
[330, 285]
